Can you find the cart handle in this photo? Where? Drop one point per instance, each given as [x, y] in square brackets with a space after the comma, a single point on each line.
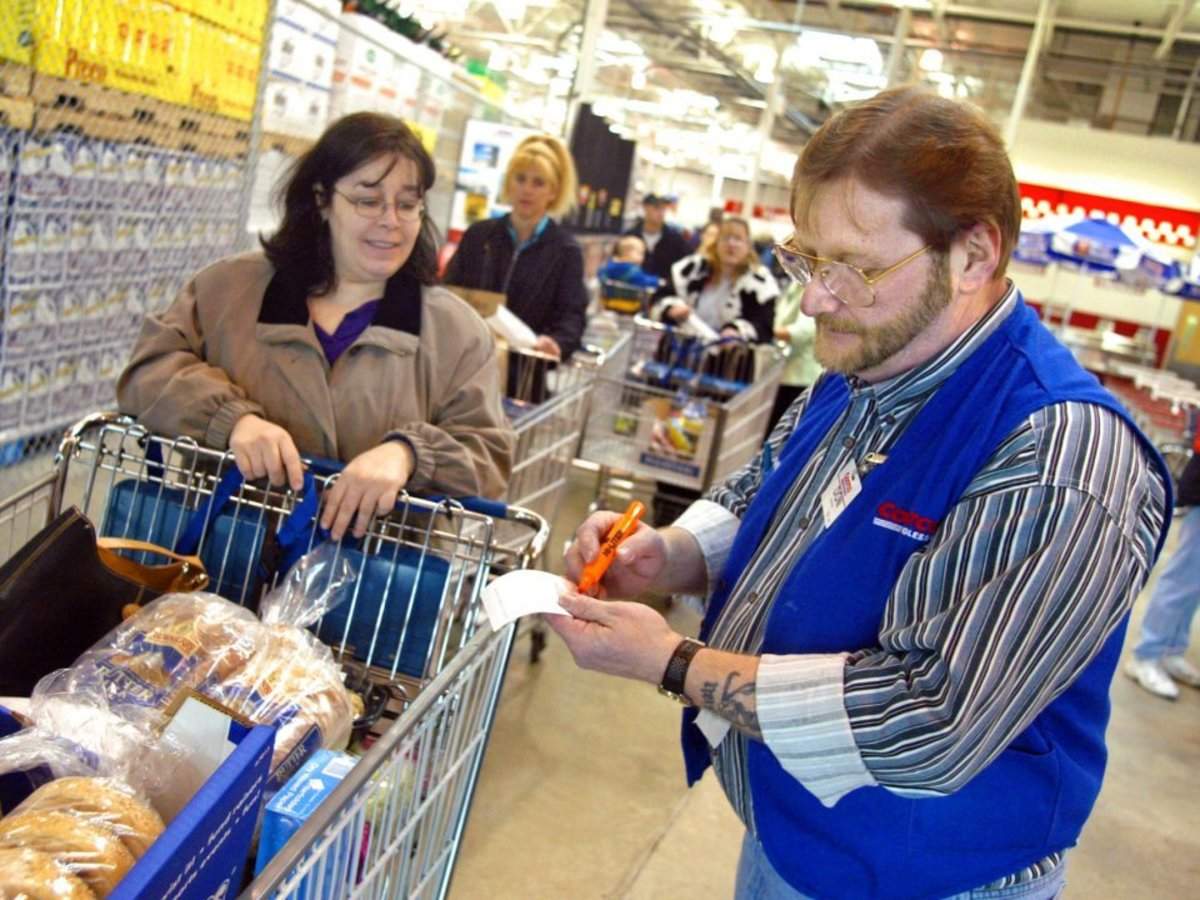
[497, 509]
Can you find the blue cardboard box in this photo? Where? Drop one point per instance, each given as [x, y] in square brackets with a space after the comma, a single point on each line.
[288, 810]
[203, 852]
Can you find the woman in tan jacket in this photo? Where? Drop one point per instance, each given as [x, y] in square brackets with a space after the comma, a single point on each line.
[334, 342]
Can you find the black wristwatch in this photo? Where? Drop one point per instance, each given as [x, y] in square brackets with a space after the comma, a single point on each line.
[676, 672]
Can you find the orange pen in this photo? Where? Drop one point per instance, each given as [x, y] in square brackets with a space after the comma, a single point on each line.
[623, 528]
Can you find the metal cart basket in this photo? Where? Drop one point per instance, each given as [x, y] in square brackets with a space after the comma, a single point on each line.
[414, 622]
[547, 403]
[630, 426]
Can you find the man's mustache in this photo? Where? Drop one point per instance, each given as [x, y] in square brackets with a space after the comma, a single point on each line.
[830, 322]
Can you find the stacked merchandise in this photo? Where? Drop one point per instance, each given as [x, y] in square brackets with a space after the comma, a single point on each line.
[303, 42]
[124, 177]
[158, 49]
[98, 234]
[380, 70]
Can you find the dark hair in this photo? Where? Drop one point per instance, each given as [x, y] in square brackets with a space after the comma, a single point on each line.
[301, 248]
[943, 157]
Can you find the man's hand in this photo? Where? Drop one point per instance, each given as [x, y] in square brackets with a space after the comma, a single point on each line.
[369, 485]
[262, 449]
[548, 345]
[639, 560]
[678, 312]
[619, 638]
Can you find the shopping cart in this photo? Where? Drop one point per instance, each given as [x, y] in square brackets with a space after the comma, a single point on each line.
[624, 299]
[655, 423]
[408, 797]
[547, 403]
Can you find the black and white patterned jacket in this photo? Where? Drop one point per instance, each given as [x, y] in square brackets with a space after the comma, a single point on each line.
[750, 308]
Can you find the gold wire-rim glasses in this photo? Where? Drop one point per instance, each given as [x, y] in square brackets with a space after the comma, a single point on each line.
[363, 206]
[802, 267]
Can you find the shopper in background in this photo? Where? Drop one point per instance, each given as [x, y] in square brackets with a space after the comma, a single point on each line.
[665, 245]
[917, 599]
[1158, 660]
[526, 255]
[706, 237]
[726, 287]
[333, 341]
[798, 332]
[626, 264]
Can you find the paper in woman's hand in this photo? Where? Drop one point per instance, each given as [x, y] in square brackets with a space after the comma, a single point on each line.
[522, 593]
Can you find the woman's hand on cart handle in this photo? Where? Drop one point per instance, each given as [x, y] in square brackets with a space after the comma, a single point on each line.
[548, 345]
[678, 312]
[368, 486]
[638, 563]
[262, 449]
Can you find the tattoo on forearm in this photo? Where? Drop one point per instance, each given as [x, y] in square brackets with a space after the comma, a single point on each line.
[733, 701]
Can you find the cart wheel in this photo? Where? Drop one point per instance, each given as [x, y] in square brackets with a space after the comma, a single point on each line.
[537, 642]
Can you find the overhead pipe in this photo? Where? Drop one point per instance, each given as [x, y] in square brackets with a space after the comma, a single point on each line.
[1045, 22]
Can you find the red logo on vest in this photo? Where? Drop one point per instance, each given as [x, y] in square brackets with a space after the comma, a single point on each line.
[905, 522]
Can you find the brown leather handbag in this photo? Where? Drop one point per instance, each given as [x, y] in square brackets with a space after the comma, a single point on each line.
[64, 590]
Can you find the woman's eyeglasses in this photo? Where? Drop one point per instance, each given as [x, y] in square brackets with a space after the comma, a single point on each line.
[376, 207]
[848, 283]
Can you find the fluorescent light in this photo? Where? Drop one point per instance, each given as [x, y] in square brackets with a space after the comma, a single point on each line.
[932, 60]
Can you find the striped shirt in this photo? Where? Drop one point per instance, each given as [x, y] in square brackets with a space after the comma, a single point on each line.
[1027, 575]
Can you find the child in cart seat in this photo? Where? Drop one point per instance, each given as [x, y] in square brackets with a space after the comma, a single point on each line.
[333, 341]
[626, 264]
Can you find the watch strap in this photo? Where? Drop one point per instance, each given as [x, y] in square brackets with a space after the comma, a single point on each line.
[675, 675]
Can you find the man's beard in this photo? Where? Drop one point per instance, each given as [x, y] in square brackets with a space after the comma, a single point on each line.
[879, 343]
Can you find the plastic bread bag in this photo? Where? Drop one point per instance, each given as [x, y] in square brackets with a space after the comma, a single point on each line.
[178, 641]
[33, 875]
[320, 580]
[109, 802]
[295, 684]
[76, 835]
[102, 745]
[31, 757]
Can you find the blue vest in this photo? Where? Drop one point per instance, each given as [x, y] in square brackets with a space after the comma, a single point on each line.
[1033, 799]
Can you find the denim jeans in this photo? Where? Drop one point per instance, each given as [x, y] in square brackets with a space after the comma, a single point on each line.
[1173, 604]
[757, 880]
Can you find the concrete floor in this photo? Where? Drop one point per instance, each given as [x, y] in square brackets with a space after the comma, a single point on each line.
[582, 793]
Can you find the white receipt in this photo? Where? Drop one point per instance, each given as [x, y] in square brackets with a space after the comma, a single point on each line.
[523, 592]
[714, 727]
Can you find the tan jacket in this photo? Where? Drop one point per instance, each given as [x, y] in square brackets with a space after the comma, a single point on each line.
[238, 340]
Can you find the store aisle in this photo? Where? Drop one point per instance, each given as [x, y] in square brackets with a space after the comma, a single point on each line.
[582, 792]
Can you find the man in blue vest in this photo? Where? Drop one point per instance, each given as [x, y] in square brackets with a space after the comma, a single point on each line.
[916, 596]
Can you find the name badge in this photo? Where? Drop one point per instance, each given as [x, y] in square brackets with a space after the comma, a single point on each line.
[846, 486]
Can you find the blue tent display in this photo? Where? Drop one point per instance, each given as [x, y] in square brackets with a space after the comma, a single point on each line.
[1095, 245]
[1187, 285]
[1100, 247]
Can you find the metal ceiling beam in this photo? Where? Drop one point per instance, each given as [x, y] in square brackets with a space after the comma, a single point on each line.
[690, 36]
[1037, 40]
[1168, 40]
[522, 40]
[896, 54]
[981, 14]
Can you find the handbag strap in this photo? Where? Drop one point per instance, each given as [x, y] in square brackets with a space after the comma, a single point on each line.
[118, 544]
[182, 574]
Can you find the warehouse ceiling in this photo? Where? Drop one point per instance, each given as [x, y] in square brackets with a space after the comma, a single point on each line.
[674, 66]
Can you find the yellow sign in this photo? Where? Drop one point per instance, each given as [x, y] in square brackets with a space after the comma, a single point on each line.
[427, 135]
